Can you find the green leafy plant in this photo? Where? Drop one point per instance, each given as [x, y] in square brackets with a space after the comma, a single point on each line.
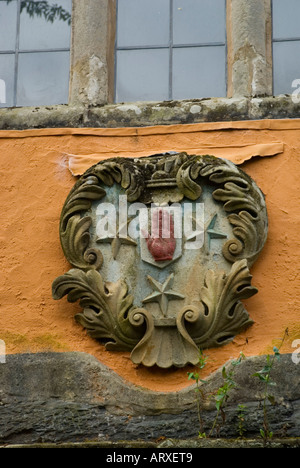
[223, 392]
[200, 394]
[241, 420]
[220, 396]
[264, 375]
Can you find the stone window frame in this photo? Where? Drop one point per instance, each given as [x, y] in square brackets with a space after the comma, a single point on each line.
[171, 46]
[91, 88]
[18, 51]
[249, 50]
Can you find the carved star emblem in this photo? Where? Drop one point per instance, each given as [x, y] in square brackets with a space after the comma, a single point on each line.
[118, 240]
[163, 293]
[199, 231]
[212, 233]
[209, 231]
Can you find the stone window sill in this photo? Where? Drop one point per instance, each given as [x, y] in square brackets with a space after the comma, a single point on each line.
[140, 114]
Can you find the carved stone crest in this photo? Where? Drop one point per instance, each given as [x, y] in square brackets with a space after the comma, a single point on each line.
[146, 282]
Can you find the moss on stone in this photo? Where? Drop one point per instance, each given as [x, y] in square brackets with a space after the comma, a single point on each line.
[139, 114]
[23, 343]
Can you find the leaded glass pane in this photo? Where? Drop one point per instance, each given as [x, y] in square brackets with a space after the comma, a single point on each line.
[43, 78]
[38, 33]
[7, 73]
[142, 75]
[8, 25]
[143, 23]
[199, 72]
[198, 21]
[286, 14]
[286, 66]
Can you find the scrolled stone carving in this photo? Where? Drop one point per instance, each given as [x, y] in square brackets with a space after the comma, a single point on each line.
[105, 307]
[222, 315]
[156, 296]
[74, 228]
[241, 199]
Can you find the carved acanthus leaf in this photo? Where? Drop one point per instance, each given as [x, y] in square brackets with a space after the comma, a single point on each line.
[106, 307]
[123, 172]
[74, 229]
[186, 177]
[222, 314]
[242, 201]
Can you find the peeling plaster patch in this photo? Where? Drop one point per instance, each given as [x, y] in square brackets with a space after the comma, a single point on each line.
[237, 153]
[195, 109]
[130, 107]
[62, 164]
[257, 101]
[258, 75]
[93, 86]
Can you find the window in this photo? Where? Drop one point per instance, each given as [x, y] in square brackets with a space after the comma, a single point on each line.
[34, 52]
[170, 49]
[286, 45]
[145, 50]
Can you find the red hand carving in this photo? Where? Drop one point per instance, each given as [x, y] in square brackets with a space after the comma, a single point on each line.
[161, 244]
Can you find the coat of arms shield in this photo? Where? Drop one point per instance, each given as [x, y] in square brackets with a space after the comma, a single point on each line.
[161, 249]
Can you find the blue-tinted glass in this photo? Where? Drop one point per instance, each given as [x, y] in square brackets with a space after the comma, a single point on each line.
[7, 73]
[286, 66]
[37, 33]
[43, 78]
[143, 23]
[8, 25]
[142, 75]
[198, 21]
[199, 72]
[286, 23]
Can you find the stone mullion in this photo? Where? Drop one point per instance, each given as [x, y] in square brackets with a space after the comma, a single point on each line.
[92, 52]
[249, 45]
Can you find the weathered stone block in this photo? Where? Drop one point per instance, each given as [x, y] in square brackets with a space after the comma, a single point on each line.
[72, 397]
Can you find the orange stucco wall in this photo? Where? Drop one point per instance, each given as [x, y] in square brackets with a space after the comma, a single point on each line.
[35, 180]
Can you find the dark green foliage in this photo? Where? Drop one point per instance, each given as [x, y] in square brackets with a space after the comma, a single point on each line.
[42, 8]
[264, 375]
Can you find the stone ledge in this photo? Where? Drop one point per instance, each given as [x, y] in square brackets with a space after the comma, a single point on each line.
[72, 397]
[169, 444]
[140, 114]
